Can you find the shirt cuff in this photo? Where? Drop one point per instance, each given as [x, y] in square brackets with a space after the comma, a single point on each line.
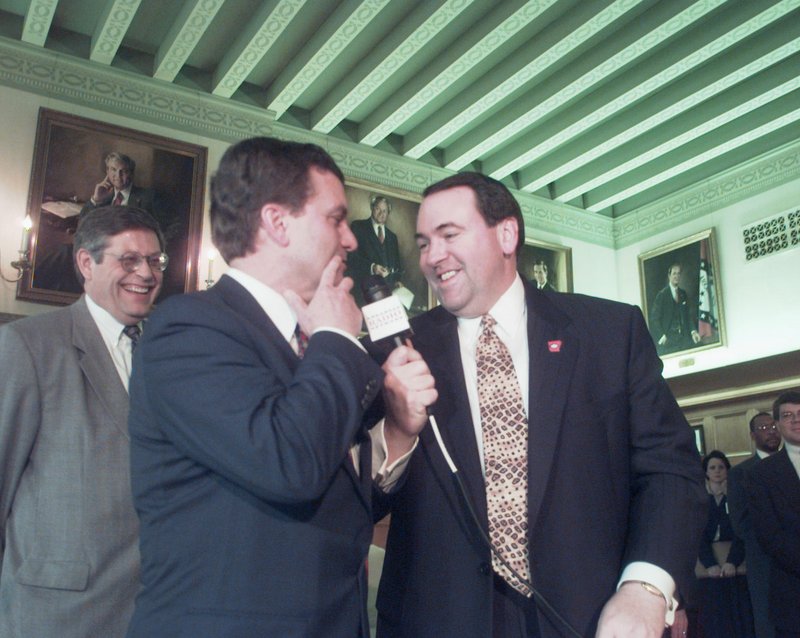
[656, 577]
[386, 476]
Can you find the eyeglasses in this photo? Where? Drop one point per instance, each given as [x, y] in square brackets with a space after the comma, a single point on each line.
[790, 417]
[131, 261]
[767, 428]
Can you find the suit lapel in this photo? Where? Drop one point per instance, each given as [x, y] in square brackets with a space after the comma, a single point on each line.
[553, 350]
[97, 367]
[282, 360]
[442, 353]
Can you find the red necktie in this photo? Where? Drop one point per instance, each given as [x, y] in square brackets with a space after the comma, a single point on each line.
[118, 199]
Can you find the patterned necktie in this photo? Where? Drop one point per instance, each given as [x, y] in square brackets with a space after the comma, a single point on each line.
[133, 333]
[300, 341]
[118, 199]
[505, 446]
[380, 234]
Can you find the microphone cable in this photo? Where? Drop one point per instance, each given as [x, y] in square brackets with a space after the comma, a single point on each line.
[539, 599]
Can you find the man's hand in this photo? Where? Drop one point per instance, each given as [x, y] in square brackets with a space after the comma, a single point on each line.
[331, 306]
[377, 269]
[695, 336]
[102, 192]
[632, 612]
[714, 571]
[408, 389]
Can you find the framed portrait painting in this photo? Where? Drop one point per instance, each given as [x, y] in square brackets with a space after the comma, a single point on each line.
[682, 295]
[549, 266]
[80, 164]
[384, 223]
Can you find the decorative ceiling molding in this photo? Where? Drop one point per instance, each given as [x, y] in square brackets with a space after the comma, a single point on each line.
[112, 26]
[37, 21]
[42, 72]
[183, 37]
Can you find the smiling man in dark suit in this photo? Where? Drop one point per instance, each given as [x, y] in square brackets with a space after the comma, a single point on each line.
[68, 531]
[774, 500]
[576, 460]
[251, 463]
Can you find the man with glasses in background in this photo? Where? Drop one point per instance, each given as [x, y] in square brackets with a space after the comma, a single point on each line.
[774, 500]
[767, 439]
[69, 556]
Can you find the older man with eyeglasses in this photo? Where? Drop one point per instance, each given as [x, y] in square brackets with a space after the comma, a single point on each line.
[774, 500]
[69, 556]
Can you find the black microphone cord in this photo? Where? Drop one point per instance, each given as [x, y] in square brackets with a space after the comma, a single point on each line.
[540, 600]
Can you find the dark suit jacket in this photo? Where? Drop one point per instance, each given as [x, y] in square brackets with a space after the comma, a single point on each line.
[69, 543]
[613, 476]
[758, 563]
[253, 520]
[774, 499]
[371, 251]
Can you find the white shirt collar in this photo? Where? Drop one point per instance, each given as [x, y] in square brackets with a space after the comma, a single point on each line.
[270, 300]
[110, 328]
[509, 311]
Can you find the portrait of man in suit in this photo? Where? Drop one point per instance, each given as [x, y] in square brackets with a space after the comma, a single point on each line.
[378, 251]
[774, 502]
[579, 501]
[69, 555]
[250, 457]
[540, 275]
[673, 316]
[767, 440]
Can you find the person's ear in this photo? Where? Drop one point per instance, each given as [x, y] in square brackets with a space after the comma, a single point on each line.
[85, 263]
[508, 235]
[273, 223]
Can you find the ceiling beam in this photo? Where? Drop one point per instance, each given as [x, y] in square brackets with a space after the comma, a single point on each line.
[112, 25]
[38, 18]
[690, 51]
[715, 113]
[636, 40]
[405, 41]
[711, 146]
[487, 37]
[529, 62]
[254, 43]
[345, 23]
[764, 50]
[183, 37]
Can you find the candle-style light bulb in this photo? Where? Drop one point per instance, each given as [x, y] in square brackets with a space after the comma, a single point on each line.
[212, 255]
[27, 224]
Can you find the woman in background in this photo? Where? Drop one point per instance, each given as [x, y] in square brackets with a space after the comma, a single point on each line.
[724, 604]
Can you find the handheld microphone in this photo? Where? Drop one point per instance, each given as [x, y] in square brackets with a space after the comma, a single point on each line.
[384, 314]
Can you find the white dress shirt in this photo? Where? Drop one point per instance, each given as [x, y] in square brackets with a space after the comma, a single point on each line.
[117, 343]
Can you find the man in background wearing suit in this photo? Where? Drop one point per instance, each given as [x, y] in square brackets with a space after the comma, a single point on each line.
[576, 460]
[774, 500]
[250, 461]
[767, 439]
[378, 251]
[68, 530]
[673, 318]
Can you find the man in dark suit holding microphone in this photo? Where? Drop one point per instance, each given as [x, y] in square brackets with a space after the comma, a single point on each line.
[576, 463]
[251, 463]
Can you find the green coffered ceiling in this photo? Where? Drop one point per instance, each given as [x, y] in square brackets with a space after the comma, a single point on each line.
[599, 108]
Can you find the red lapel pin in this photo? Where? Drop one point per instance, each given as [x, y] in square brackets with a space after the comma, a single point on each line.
[554, 346]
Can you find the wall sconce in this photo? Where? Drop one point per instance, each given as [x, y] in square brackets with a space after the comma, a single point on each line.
[212, 255]
[22, 264]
